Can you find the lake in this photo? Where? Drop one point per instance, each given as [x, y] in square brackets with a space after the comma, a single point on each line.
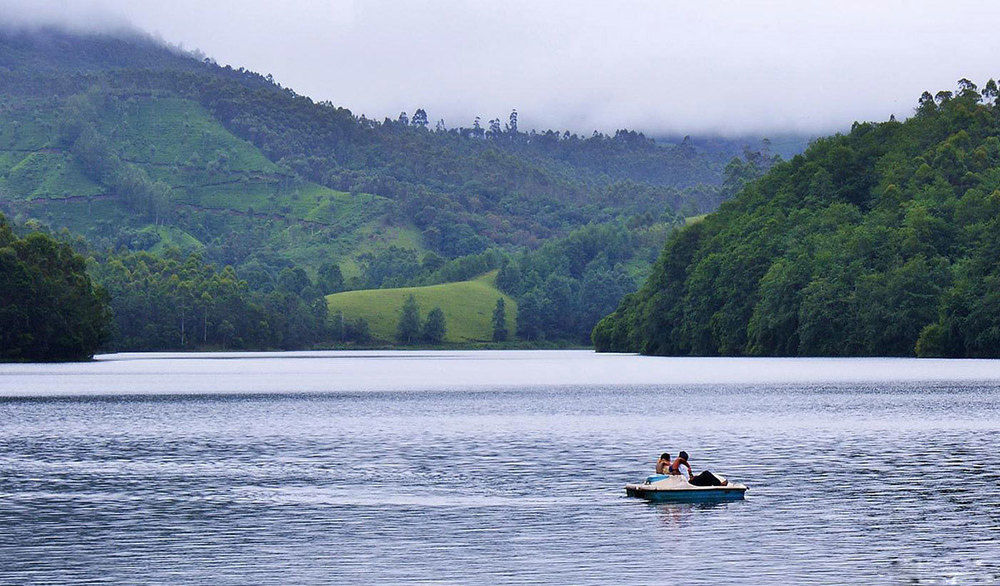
[495, 466]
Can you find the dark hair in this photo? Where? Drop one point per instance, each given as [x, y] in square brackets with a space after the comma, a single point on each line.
[683, 455]
[664, 456]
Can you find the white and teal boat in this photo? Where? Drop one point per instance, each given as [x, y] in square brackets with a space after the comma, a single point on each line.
[676, 488]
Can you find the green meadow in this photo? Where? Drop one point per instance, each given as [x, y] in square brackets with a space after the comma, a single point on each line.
[467, 306]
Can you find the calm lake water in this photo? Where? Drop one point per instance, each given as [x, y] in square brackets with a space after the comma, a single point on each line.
[486, 467]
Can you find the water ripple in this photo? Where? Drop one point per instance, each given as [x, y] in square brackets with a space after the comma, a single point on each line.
[849, 483]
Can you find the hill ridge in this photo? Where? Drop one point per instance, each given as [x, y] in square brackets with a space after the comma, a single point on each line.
[882, 241]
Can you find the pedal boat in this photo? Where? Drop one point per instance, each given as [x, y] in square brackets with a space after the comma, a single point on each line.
[676, 489]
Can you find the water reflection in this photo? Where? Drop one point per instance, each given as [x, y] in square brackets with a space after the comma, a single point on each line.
[682, 514]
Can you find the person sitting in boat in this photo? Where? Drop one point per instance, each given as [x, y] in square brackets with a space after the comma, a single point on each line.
[706, 478]
[675, 468]
[663, 463]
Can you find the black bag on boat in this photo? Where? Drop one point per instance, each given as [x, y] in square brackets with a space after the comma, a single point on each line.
[706, 478]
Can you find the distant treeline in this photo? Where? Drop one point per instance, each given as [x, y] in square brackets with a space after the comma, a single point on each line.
[565, 286]
[883, 241]
[178, 302]
[56, 304]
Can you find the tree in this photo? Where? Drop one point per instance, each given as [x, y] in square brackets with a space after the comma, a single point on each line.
[331, 279]
[419, 118]
[408, 329]
[500, 321]
[361, 331]
[159, 201]
[990, 91]
[529, 315]
[508, 279]
[356, 330]
[926, 105]
[336, 326]
[226, 332]
[206, 301]
[391, 266]
[512, 123]
[49, 308]
[169, 302]
[431, 262]
[882, 242]
[967, 89]
[294, 280]
[434, 327]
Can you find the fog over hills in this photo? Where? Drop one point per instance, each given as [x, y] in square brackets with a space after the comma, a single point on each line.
[661, 67]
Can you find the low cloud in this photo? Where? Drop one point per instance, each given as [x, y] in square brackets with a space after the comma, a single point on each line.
[81, 16]
[657, 66]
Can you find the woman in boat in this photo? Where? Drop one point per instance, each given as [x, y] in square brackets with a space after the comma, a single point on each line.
[663, 463]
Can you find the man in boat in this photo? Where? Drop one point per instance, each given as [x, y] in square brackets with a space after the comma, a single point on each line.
[663, 463]
[675, 468]
[706, 478]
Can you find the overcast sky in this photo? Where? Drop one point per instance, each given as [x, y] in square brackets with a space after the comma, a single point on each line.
[658, 66]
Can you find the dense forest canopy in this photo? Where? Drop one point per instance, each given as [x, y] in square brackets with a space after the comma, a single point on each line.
[50, 310]
[177, 302]
[882, 241]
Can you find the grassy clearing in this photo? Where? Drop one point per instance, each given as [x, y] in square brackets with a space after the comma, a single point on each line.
[375, 236]
[292, 200]
[694, 219]
[174, 131]
[47, 175]
[28, 168]
[28, 125]
[171, 237]
[80, 216]
[467, 305]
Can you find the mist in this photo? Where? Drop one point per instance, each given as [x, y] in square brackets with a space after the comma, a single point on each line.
[660, 67]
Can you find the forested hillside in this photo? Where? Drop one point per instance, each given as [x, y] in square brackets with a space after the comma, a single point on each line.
[110, 136]
[883, 241]
[144, 149]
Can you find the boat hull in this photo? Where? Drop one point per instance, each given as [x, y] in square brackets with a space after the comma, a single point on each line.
[714, 494]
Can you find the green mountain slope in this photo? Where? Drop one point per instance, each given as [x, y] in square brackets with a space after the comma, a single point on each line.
[140, 147]
[218, 182]
[883, 241]
[467, 306]
[232, 140]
